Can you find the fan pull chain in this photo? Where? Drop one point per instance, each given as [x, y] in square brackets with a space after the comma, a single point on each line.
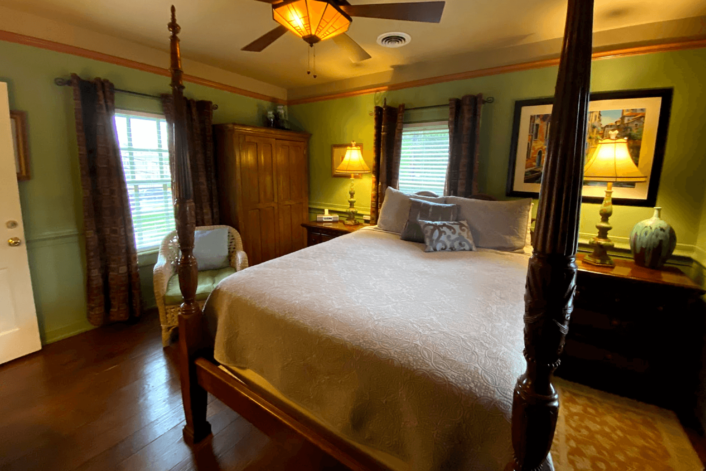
[308, 57]
[314, 48]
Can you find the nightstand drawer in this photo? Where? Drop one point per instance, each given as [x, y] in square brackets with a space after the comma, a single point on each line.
[313, 238]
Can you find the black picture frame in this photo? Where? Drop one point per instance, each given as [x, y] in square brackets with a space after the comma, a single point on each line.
[666, 94]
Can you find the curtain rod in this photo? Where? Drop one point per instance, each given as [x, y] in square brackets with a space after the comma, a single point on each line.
[490, 99]
[67, 82]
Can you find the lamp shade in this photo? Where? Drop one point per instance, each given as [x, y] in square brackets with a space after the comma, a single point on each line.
[311, 20]
[611, 162]
[353, 162]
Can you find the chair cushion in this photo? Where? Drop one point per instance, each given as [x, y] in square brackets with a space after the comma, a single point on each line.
[211, 248]
[208, 279]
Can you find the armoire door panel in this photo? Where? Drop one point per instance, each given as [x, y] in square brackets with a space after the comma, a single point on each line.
[284, 171]
[284, 229]
[268, 234]
[298, 177]
[266, 172]
[251, 237]
[299, 216]
[250, 180]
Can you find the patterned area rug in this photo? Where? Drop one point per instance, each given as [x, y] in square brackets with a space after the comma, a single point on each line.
[600, 431]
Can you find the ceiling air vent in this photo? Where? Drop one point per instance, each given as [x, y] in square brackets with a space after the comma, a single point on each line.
[394, 39]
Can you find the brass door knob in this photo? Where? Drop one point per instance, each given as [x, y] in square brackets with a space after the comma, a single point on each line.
[14, 241]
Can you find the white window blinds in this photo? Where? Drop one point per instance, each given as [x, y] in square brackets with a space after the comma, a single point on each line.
[425, 157]
[143, 147]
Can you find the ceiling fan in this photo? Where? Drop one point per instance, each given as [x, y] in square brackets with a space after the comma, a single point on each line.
[318, 20]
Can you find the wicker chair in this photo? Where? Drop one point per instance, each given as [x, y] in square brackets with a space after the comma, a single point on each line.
[166, 268]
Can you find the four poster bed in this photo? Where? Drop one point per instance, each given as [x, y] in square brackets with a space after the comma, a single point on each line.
[424, 387]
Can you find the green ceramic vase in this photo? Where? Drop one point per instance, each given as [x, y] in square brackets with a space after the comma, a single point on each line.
[652, 241]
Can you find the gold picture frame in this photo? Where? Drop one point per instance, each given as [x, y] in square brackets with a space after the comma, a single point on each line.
[338, 151]
[20, 143]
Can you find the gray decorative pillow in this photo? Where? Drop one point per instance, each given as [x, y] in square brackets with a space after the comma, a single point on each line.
[445, 236]
[426, 211]
[211, 248]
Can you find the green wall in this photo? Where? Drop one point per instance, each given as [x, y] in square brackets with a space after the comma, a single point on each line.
[681, 192]
[51, 205]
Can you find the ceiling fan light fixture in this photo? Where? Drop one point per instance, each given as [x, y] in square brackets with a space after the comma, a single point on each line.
[311, 20]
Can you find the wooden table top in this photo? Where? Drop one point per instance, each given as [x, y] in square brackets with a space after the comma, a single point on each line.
[627, 269]
[337, 226]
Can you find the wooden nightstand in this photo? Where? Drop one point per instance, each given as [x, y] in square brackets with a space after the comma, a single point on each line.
[317, 232]
[636, 332]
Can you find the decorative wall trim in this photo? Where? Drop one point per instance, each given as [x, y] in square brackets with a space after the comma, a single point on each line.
[52, 236]
[683, 252]
[339, 208]
[99, 56]
[607, 54]
[87, 53]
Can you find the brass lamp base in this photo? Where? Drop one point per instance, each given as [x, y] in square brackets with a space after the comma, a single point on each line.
[601, 243]
[350, 220]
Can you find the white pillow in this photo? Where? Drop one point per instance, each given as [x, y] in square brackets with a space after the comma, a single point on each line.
[395, 209]
[211, 248]
[500, 225]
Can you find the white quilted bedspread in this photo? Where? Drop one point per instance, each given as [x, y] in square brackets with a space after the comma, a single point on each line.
[410, 353]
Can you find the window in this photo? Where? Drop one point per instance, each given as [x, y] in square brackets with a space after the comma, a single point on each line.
[425, 157]
[143, 148]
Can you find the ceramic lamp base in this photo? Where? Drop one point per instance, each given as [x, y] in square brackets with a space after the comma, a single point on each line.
[600, 256]
[601, 243]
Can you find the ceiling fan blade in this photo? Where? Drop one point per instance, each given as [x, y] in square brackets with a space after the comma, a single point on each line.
[427, 12]
[265, 40]
[270, 1]
[355, 52]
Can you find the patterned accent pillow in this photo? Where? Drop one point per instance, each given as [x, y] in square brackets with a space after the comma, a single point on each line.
[427, 211]
[447, 236]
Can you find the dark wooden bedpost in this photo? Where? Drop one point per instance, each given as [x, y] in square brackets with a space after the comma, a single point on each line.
[190, 316]
[551, 275]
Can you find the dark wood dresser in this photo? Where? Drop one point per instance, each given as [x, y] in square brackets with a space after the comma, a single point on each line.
[318, 232]
[636, 332]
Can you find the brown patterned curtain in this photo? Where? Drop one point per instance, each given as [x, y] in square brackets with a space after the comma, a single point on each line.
[113, 281]
[464, 138]
[199, 119]
[387, 149]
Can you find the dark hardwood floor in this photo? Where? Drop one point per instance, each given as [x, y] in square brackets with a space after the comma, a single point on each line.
[109, 399]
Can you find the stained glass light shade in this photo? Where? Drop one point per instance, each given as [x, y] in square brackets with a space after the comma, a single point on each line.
[611, 162]
[311, 20]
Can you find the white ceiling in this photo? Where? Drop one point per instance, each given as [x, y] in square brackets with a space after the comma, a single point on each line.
[214, 31]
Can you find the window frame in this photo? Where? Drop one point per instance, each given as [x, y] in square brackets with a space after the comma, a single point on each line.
[165, 180]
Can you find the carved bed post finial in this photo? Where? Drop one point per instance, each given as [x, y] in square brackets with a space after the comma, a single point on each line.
[190, 316]
[551, 274]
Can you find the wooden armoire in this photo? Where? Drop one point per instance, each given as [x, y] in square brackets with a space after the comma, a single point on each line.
[263, 185]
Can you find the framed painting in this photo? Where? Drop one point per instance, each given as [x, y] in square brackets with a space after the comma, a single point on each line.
[338, 151]
[640, 116]
[18, 122]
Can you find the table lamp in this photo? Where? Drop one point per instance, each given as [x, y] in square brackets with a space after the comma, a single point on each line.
[611, 162]
[354, 164]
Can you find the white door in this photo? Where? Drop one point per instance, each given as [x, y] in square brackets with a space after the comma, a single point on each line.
[19, 333]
